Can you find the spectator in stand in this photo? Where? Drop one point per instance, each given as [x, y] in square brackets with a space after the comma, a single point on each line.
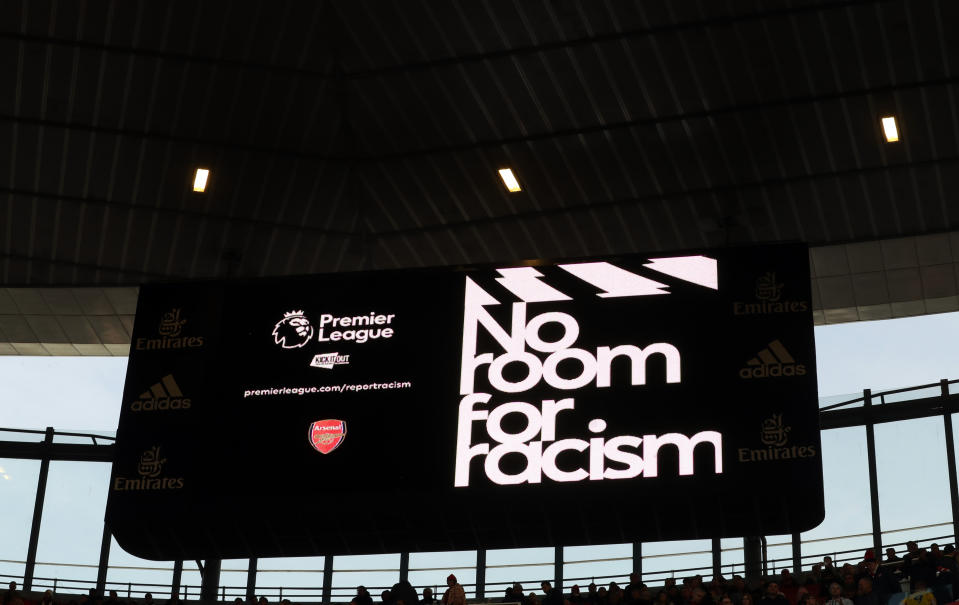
[404, 591]
[454, 595]
[698, 596]
[891, 556]
[148, 599]
[615, 596]
[813, 587]
[638, 595]
[386, 598]
[747, 599]
[717, 590]
[427, 598]
[788, 587]
[602, 596]
[911, 556]
[662, 598]
[921, 568]
[827, 566]
[239, 601]
[951, 577]
[575, 597]
[737, 590]
[285, 602]
[772, 595]
[263, 601]
[518, 593]
[883, 582]
[921, 595]
[835, 595]
[806, 598]
[645, 595]
[11, 597]
[551, 596]
[849, 586]
[113, 599]
[362, 596]
[865, 595]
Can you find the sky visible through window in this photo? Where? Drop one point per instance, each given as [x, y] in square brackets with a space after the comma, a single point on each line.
[83, 394]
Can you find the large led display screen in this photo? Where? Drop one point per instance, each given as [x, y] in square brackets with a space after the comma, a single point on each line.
[644, 397]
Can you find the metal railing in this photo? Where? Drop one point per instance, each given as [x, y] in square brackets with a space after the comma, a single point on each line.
[880, 398]
[344, 593]
[42, 433]
[869, 540]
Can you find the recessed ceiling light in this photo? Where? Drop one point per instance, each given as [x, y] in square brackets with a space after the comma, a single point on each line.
[509, 180]
[199, 181]
[890, 129]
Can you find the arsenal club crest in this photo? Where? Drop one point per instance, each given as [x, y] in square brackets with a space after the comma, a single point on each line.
[327, 435]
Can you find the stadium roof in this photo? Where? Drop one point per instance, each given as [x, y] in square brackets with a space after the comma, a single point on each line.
[346, 135]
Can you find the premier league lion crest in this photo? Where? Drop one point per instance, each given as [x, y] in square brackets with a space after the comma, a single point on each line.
[293, 331]
[327, 435]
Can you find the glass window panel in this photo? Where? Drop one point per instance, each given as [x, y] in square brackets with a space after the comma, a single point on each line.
[617, 568]
[233, 574]
[887, 354]
[431, 568]
[32, 391]
[830, 400]
[18, 492]
[934, 391]
[913, 479]
[15, 435]
[732, 557]
[528, 566]
[72, 527]
[677, 559]
[134, 577]
[846, 481]
[300, 577]
[376, 572]
[232, 579]
[190, 581]
[779, 553]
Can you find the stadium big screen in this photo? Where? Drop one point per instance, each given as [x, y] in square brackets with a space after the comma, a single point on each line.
[651, 397]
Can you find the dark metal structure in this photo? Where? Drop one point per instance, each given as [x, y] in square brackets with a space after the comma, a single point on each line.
[357, 134]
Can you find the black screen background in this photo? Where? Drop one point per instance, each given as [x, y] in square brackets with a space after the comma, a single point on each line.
[254, 486]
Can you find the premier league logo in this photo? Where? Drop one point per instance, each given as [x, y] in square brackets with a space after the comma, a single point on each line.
[327, 435]
[293, 331]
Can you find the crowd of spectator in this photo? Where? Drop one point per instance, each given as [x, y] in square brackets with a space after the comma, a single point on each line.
[920, 577]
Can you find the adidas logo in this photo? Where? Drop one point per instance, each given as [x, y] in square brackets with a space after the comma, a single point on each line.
[772, 362]
[164, 395]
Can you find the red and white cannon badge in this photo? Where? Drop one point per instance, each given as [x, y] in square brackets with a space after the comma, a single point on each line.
[327, 435]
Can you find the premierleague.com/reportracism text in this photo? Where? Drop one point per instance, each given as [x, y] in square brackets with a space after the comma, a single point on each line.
[335, 388]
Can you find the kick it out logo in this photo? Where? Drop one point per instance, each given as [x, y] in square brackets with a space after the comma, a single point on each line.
[150, 469]
[524, 344]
